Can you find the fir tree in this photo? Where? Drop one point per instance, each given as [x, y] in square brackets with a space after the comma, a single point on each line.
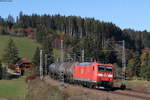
[131, 68]
[47, 47]
[36, 60]
[145, 64]
[10, 56]
[41, 33]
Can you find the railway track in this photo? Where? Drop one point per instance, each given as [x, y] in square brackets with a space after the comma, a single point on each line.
[133, 94]
[148, 93]
[128, 93]
[140, 95]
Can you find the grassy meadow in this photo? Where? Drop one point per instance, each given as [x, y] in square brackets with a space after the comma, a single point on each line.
[15, 89]
[138, 83]
[25, 46]
[12, 89]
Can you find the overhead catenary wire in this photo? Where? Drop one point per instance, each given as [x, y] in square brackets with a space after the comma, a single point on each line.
[122, 51]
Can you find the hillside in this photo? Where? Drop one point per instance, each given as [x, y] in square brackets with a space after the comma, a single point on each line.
[25, 46]
[86, 34]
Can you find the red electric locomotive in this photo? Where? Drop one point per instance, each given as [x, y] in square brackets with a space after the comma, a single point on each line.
[94, 74]
[90, 74]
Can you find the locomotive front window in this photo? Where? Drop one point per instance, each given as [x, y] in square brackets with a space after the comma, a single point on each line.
[104, 69]
[108, 69]
[101, 68]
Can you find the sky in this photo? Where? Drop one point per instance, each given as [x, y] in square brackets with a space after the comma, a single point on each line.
[134, 14]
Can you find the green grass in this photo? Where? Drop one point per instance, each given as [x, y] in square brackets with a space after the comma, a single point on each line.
[12, 89]
[137, 83]
[25, 46]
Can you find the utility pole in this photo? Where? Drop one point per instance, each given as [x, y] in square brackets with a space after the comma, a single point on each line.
[74, 57]
[45, 64]
[62, 52]
[41, 64]
[91, 59]
[83, 55]
[61, 74]
[57, 60]
[123, 62]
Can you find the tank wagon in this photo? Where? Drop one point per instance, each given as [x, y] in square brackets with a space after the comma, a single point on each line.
[89, 74]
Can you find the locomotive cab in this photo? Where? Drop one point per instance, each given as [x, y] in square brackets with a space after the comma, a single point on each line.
[105, 75]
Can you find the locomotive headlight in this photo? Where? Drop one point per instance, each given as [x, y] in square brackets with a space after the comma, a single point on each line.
[110, 75]
[99, 74]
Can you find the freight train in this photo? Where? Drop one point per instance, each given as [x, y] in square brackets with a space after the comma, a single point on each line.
[89, 74]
